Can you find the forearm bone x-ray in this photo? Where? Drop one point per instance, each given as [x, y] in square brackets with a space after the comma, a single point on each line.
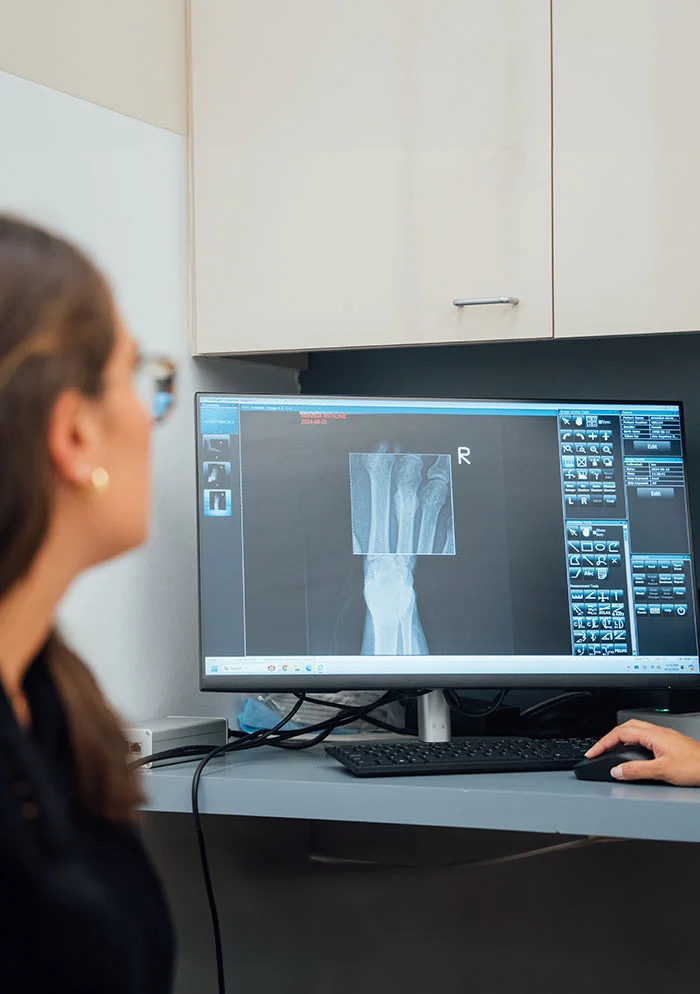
[402, 507]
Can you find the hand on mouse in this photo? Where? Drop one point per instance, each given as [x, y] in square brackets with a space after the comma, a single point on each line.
[676, 757]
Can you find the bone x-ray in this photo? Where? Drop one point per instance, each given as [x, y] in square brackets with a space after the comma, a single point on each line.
[401, 507]
[401, 503]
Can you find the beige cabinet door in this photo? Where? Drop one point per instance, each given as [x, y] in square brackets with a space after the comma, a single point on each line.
[360, 164]
[626, 166]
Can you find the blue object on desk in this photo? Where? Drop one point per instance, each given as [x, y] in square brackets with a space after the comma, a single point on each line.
[257, 716]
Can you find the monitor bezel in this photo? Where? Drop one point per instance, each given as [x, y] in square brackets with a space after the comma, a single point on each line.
[329, 683]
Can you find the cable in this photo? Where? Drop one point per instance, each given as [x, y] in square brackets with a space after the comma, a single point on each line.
[273, 736]
[184, 754]
[455, 704]
[279, 738]
[306, 744]
[370, 719]
[378, 723]
[346, 716]
[392, 696]
[348, 713]
[330, 726]
[553, 702]
[252, 740]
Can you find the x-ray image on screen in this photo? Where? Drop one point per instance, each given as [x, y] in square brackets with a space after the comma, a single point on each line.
[217, 474]
[392, 624]
[399, 534]
[216, 446]
[401, 507]
[401, 503]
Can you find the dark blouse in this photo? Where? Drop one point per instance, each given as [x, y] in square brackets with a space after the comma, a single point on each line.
[81, 909]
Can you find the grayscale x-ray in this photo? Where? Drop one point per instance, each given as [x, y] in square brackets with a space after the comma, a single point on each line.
[401, 503]
[401, 507]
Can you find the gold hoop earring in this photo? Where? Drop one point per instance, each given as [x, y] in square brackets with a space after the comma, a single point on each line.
[99, 480]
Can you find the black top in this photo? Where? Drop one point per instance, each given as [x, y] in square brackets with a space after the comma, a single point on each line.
[81, 908]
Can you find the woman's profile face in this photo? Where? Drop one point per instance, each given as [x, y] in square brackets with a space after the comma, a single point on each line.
[123, 510]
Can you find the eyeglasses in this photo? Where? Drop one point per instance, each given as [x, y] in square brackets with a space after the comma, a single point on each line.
[154, 375]
[155, 378]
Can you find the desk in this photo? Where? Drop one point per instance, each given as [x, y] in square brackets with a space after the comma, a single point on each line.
[309, 786]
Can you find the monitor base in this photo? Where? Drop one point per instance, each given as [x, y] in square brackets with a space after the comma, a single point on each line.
[434, 717]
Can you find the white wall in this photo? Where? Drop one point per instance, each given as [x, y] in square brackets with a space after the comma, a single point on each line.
[118, 187]
[128, 55]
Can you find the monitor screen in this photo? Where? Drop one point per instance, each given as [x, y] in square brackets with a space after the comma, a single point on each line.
[347, 542]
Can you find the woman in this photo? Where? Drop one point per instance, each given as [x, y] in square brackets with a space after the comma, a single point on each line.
[676, 757]
[82, 910]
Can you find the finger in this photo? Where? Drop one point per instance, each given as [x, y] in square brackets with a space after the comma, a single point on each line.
[631, 733]
[613, 738]
[602, 745]
[646, 769]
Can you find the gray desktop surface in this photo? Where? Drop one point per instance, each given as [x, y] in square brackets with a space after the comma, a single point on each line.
[308, 785]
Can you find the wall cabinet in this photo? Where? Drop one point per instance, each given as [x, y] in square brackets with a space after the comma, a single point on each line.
[358, 166]
[626, 166]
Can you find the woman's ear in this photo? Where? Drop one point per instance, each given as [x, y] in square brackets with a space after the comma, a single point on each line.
[74, 437]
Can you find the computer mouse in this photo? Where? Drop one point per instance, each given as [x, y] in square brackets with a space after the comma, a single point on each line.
[599, 767]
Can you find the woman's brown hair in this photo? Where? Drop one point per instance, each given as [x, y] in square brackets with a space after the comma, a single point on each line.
[57, 331]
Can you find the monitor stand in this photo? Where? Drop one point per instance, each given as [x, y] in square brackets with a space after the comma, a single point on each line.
[434, 717]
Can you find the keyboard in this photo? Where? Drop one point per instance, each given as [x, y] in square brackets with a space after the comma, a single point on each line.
[471, 755]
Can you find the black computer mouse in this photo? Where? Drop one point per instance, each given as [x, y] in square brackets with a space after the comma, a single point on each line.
[599, 767]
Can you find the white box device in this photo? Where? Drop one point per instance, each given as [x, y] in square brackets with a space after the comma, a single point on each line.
[158, 734]
[687, 724]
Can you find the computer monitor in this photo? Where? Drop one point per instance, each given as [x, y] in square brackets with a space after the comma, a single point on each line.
[387, 543]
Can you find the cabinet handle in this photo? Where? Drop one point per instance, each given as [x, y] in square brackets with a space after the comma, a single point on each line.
[478, 301]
